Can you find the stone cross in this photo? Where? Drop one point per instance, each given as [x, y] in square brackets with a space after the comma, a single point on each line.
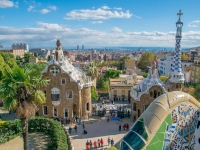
[180, 13]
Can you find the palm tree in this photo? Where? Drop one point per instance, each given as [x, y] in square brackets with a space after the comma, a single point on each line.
[93, 72]
[20, 90]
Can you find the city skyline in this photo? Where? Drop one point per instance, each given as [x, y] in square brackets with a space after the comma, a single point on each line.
[98, 23]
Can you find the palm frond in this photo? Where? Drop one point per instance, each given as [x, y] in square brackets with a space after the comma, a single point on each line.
[10, 103]
[39, 97]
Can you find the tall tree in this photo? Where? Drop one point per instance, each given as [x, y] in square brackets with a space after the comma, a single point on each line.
[20, 91]
[145, 60]
[93, 72]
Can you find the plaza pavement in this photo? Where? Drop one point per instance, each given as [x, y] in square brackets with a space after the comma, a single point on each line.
[98, 128]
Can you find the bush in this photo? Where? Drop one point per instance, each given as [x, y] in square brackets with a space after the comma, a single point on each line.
[52, 128]
[9, 130]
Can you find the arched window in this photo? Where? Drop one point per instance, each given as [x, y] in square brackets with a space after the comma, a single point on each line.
[138, 113]
[155, 94]
[151, 94]
[134, 106]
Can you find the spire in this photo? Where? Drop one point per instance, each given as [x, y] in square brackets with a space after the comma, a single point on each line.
[176, 70]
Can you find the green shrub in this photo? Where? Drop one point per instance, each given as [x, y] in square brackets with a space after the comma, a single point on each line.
[52, 128]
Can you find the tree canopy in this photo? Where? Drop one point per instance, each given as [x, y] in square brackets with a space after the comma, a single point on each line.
[184, 57]
[94, 95]
[145, 60]
[112, 73]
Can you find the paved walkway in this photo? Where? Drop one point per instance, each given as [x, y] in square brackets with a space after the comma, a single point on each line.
[98, 128]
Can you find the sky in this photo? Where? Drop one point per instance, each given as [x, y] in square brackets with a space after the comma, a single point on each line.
[98, 23]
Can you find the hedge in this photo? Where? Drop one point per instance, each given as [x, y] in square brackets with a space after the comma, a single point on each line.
[51, 128]
[9, 130]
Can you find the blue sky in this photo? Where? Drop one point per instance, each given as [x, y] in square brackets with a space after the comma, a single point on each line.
[98, 23]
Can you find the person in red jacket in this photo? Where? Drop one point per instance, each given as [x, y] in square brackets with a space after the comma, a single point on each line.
[102, 142]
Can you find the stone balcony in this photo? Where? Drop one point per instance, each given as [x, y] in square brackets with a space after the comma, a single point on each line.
[56, 103]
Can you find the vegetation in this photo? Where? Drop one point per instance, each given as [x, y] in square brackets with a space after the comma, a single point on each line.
[145, 61]
[184, 57]
[94, 95]
[92, 71]
[20, 90]
[145, 75]
[12, 129]
[163, 78]
[112, 74]
[108, 63]
[9, 130]
[52, 128]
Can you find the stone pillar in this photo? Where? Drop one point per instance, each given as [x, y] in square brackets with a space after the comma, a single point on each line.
[86, 98]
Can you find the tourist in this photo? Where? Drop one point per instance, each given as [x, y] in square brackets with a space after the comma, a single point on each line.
[87, 145]
[90, 144]
[102, 142]
[120, 127]
[70, 129]
[75, 128]
[124, 127]
[108, 141]
[84, 132]
[127, 127]
[112, 142]
[95, 144]
[76, 117]
[62, 121]
[83, 123]
[99, 143]
[108, 119]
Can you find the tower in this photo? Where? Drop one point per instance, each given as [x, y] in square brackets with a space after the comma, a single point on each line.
[177, 75]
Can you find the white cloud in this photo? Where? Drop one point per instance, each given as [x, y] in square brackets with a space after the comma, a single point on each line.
[99, 13]
[118, 8]
[97, 22]
[116, 29]
[30, 8]
[50, 8]
[194, 24]
[1, 16]
[6, 4]
[46, 33]
[16, 5]
[45, 11]
[105, 7]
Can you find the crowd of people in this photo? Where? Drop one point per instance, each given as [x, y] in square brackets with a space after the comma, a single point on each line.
[98, 143]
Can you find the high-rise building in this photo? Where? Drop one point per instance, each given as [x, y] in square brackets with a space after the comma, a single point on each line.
[20, 46]
[77, 47]
[82, 47]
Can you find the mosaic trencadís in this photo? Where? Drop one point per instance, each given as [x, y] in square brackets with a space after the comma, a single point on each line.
[180, 135]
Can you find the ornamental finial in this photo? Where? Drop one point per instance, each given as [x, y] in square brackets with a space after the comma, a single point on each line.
[179, 19]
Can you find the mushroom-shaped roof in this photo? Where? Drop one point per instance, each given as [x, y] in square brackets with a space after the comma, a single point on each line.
[170, 122]
[58, 43]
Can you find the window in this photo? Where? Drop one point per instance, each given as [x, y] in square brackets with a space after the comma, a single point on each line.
[87, 106]
[151, 94]
[155, 94]
[55, 94]
[145, 107]
[134, 106]
[45, 93]
[115, 92]
[69, 95]
[45, 112]
[177, 86]
[158, 93]
[66, 113]
[54, 70]
[55, 112]
[196, 76]
[55, 97]
[123, 92]
[192, 68]
[63, 81]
